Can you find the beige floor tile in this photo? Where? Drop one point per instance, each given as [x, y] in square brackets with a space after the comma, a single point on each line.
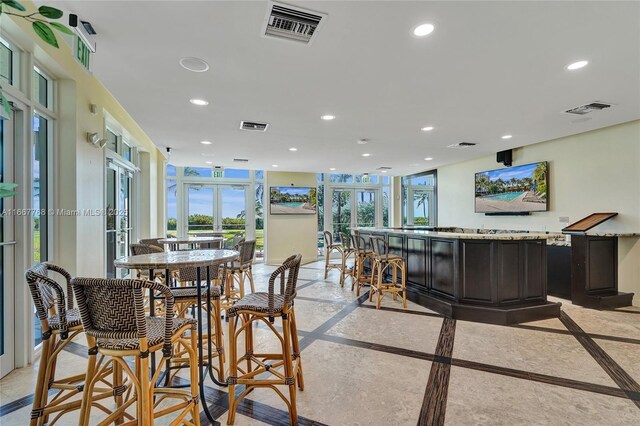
[553, 354]
[626, 355]
[415, 332]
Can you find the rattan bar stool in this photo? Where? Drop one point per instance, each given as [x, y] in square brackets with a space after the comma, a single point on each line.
[363, 254]
[329, 247]
[60, 323]
[116, 327]
[152, 242]
[238, 271]
[348, 251]
[186, 297]
[267, 369]
[387, 263]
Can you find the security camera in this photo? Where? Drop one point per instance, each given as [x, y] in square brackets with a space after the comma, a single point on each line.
[168, 150]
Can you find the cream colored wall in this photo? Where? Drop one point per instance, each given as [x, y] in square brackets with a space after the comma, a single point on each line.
[79, 183]
[290, 234]
[589, 172]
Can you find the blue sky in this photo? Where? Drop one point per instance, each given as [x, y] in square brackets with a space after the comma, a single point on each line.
[517, 172]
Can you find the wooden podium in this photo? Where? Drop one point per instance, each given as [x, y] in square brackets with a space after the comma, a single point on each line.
[594, 266]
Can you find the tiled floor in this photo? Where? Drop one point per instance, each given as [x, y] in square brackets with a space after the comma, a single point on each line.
[392, 367]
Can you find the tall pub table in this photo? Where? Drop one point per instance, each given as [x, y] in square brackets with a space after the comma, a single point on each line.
[174, 260]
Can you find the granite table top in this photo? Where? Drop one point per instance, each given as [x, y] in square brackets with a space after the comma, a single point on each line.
[176, 259]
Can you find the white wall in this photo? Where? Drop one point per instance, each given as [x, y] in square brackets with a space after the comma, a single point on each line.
[597, 171]
[290, 234]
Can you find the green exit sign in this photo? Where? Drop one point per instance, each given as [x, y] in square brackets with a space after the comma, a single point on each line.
[366, 179]
[83, 54]
[218, 173]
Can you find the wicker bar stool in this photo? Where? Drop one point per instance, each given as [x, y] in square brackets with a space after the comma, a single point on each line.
[387, 263]
[362, 255]
[348, 250]
[60, 323]
[267, 369]
[187, 297]
[116, 327]
[329, 247]
[240, 270]
[152, 242]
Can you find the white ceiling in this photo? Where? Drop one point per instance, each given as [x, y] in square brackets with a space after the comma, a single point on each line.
[488, 69]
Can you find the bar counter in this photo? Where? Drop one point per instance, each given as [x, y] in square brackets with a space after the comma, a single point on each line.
[497, 278]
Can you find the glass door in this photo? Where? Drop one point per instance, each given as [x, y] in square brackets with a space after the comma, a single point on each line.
[218, 208]
[118, 213]
[353, 207]
[7, 247]
[233, 215]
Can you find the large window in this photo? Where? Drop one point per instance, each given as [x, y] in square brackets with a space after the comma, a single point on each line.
[419, 198]
[40, 184]
[6, 63]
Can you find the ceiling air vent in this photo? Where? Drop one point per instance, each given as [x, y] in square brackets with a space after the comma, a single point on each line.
[586, 109]
[383, 168]
[253, 126]
[291, 23]
[462, 145]
[240, 160]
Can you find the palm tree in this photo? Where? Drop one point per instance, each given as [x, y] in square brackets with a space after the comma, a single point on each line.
[423, 199]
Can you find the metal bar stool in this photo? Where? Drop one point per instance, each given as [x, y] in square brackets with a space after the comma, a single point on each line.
[116, 327]
[60, 323]
[363, 254]
[284, 368]
[387, 263]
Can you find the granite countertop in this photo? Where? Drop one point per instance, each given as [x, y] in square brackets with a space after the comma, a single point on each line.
[613, 234]
[176, 259]
[466, 236]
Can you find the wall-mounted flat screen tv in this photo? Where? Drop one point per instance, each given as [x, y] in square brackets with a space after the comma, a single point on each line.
[292, 200]
[517, 189]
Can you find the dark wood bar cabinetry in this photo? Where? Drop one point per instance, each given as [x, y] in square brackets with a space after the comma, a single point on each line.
[498, 279]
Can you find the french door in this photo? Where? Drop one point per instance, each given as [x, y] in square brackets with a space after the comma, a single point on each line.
[353, 208]
[118, 215]
[7, 248]
[218, 208]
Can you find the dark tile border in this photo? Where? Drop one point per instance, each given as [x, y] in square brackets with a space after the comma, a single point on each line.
[608, 364]
[568, 333]
[434, 404]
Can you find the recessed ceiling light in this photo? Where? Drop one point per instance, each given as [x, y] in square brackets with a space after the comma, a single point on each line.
[383, 171]
[199, 102]
[194, 64]
[293, 149]
[366, 154]
[428, 159]
[332, 168]
[507, 136]
[209, 162]
[274, 165]
[206, 142]
[427, 129]
[362, 141]
[328, 117]
[423, 30]
[577, 65]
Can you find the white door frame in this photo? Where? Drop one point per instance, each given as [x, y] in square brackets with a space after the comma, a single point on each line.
[250, 220]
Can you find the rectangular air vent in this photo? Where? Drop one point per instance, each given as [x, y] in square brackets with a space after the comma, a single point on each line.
[462, 145]
[291, 23]
[586, 109]
[383, 168]
[240, 160]
[253, 126]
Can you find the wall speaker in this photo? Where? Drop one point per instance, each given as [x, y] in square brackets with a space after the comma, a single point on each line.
[505, 157]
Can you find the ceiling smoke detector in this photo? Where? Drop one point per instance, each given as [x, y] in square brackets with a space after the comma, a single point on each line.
[253, 126]
[462, 145]
[586, 109]
[293, 23]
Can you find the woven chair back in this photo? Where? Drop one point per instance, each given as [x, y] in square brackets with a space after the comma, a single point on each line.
[113, 308]
[136, 249]
[47, 293]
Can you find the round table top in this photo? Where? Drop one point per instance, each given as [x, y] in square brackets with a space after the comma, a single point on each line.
[176, 259]
[190, 240]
